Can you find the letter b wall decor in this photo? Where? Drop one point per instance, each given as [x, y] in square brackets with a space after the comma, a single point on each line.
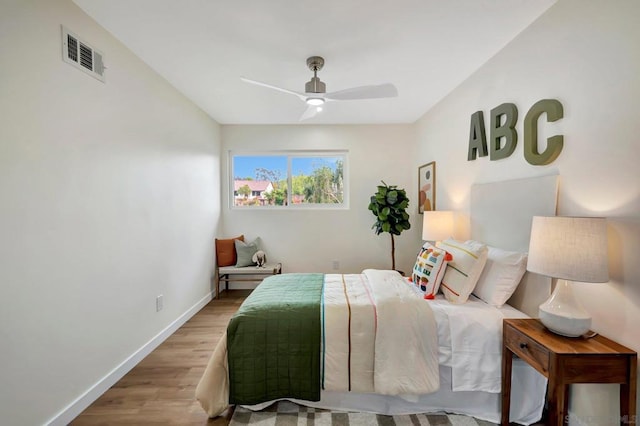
[503, 136]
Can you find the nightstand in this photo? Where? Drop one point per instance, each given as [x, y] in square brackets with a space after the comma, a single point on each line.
[567, 360]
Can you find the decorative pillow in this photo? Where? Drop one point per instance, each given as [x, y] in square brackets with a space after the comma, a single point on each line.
[429, 269]
[501, 276]
[463, 270]
[226, 251]
[245, 252]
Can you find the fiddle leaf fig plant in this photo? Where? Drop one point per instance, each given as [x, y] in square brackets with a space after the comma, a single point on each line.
[389, 205]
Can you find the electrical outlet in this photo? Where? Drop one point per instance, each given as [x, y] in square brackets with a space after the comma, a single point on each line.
[335, 265]
[159, 303]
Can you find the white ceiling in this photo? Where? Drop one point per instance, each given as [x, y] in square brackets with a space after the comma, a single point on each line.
[202, 47]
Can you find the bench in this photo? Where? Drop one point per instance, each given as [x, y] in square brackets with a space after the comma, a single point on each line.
[246, 274]
[228, 259]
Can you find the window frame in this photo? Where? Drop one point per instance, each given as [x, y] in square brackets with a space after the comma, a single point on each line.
[290, 155]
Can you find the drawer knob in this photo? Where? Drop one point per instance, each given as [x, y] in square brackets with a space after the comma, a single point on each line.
[523, 345]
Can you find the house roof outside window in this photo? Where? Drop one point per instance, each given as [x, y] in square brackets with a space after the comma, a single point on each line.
[254, 185]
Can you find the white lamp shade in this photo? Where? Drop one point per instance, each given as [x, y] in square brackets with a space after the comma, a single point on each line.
[437, 225]
[570, 248]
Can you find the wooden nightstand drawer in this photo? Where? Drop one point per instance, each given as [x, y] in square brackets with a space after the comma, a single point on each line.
[526, 348]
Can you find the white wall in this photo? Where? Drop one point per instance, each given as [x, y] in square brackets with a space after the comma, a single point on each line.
[109, 196]
[309, 240]
[586, 54]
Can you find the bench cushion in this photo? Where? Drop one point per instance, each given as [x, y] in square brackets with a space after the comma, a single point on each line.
[268, 269]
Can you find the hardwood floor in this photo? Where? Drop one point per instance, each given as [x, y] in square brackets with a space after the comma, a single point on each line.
[161, 388]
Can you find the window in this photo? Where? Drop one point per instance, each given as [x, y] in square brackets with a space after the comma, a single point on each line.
[288, 179]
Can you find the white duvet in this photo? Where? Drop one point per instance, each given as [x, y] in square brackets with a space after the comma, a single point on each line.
[389, 345]
[378, 337]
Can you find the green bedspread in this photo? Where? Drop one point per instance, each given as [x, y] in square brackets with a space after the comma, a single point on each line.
[274, 341]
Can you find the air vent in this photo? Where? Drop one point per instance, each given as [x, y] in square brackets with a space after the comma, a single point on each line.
[81, 55]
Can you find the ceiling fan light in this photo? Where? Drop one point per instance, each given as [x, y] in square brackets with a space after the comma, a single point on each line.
[315, 101]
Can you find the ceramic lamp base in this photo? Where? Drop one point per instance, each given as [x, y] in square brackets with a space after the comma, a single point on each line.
[570, 327]
[563, 314]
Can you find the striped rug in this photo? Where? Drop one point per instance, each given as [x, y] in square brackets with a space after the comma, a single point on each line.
[285, 413]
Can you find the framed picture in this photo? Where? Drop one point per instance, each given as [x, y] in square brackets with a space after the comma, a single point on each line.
[427, 187]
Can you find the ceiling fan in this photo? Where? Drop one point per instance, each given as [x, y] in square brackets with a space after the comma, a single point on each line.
[315, 92]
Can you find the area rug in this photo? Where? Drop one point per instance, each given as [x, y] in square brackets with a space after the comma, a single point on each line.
[285, 413]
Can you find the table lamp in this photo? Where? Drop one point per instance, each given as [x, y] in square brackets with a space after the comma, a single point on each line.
[569, 249]
[437, 225]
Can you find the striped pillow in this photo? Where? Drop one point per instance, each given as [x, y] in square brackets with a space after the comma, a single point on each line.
[429, 269]
[463, 271]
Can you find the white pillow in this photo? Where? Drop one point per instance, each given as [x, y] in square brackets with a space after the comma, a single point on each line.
[463, 270]
[501, 276]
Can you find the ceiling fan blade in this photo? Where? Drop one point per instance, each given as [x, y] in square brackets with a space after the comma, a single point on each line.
[386, 90]
[310, 112]
[270, 86]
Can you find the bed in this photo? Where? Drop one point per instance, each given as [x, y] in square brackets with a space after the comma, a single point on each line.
[446, 357]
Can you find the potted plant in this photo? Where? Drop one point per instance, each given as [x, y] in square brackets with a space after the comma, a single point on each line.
[389, 206]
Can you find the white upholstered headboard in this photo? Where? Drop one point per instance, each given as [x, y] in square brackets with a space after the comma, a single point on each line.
[501, 214]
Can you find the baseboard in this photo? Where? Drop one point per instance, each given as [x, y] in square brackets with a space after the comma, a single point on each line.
[69, 413]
